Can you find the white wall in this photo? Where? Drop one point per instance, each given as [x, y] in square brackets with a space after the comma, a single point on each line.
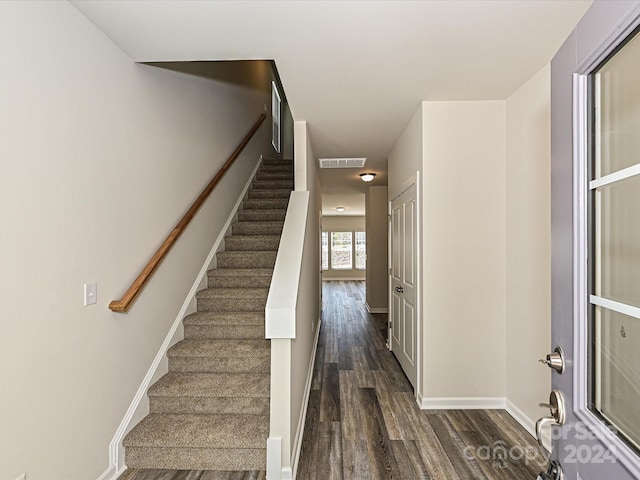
[528, 230]
[377, 274]
[100, 158]
[463, 249]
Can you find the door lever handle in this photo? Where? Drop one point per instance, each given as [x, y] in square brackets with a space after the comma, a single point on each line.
[399, 289]
[558, 414]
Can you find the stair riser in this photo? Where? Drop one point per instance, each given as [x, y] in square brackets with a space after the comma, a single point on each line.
[196, 458]
[232, 304]
[271, 184]
[209, 406]
[262, 215]
[219, 364]
[225, 332]
[247, 228]
[255, 260]
[239, 282]
[266, 204]
[273, 193]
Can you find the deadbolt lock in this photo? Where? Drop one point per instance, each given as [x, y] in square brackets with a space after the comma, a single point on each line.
[555, 360]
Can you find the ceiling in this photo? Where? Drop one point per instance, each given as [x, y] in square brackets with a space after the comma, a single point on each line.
[356, 71]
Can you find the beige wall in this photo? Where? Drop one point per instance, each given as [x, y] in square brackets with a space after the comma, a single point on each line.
[528, 217]
[463, 249]
[377, 274]
[485, 205]
[343, 224]
[100, 158]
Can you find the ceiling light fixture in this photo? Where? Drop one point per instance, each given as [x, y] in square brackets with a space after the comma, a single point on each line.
[367, 177]
[340, 209]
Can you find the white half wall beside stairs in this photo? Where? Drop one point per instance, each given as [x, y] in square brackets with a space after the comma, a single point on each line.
[295, 292]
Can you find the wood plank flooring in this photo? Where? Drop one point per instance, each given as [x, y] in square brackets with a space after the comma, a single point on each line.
[363, 421]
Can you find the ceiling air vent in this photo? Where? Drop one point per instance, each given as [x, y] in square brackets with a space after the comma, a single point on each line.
[342, 162]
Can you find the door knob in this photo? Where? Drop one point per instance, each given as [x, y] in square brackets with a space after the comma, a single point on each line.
[555, 360]
[399, 289]
[558, 413]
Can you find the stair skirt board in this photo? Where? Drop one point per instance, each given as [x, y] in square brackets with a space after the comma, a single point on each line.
[139, 406]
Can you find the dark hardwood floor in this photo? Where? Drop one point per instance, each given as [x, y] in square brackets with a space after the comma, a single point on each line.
[363, 421]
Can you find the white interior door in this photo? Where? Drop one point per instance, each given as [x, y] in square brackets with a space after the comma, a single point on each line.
[403, 318]
[596, 244]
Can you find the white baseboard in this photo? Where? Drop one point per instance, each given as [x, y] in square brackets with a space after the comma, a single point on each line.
[375, 310]
[138, 408]
[527, 423]
[468, 403]
[287, 473]
[297, 443]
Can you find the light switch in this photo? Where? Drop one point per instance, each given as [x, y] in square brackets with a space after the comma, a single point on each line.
[90, 293]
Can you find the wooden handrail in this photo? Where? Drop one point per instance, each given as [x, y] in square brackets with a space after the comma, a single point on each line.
[123, 305]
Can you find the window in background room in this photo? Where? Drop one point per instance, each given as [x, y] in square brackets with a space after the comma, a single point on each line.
[361, 250]
[325, 250]
[341, 251]
[275, 116]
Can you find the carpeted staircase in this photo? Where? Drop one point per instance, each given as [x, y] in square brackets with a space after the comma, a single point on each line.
[211, 411]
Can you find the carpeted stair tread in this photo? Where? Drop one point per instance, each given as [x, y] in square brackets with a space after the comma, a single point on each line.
[221, 325]
[246, 259]
[240, 277]
[277, 215]
[233, 293]
[232, 299]
[252, 243]
[211, 385]
[265, 203]
[269, 184]
[258, 228]
[271, 193]
[197, 459]
[240, 272]
[221, 348]
[200, 431]
[224, 319]
[267, 175]
[209, 405]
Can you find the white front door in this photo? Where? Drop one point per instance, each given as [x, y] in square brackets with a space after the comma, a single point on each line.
[403, 318]
[596, 244]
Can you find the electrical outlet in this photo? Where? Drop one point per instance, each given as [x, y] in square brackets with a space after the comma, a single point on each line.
[90, 293]
[22, 477]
